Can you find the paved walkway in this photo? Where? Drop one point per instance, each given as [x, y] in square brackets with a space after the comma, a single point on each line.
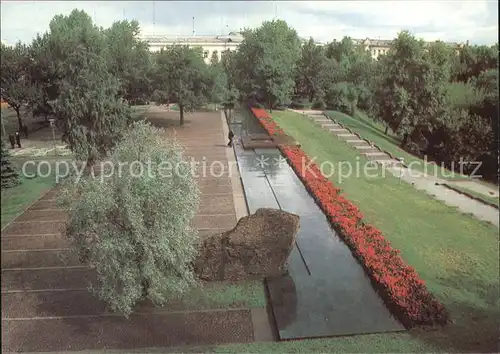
[426, 183]
[45, 302]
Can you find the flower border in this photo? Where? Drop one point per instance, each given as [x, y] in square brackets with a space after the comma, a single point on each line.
[399, 284]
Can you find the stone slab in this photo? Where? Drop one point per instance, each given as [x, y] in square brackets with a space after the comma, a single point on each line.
[43, 279]
[375, 153]
[152, 330]
[215, 221]
[44, 205]
[346, 136]
[43, 215]
[33, 228]
[37, 259]
[15, 243]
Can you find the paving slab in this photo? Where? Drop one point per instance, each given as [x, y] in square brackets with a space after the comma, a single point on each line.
[213, 221]
[16, 243]
[375, 153]
[38, 259]
[364, 147]
[44, 279]
[152, 330]
[43, 215]
[356, 142]
[33, 228]
[346, 136]
[217, 204]
[45, 205]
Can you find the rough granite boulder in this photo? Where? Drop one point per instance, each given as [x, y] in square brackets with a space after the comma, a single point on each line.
[257, 247]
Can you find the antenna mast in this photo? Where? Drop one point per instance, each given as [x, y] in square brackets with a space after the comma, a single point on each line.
[154, 17]
[193, 26]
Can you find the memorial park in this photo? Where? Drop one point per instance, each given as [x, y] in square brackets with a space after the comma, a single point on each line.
[288, 197]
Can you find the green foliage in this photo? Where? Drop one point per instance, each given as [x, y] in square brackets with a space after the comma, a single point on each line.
[181, 76]
[129, 60]
[342, 97]
[87, 105]
[463, 95]
[266, 63]
[9, 176]
[411, 93]
[472, 60]
[311, 68]
[134, 228]
[16, 87]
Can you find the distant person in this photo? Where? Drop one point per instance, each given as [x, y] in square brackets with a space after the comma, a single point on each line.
[12, 141]
[25, 131]
[231, 137]
[18, 139]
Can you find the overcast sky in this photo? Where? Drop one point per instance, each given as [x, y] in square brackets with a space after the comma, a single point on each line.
[457, 21]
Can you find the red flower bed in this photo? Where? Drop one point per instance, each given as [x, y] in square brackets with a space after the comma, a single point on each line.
[399, 284]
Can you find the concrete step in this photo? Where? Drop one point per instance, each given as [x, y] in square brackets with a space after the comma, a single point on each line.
[338, 130]
[117, 332]
[33, 228]
[43, 215]
[357, 142]
[209, 221]
[346, 135]
[38, 259]
[376, 153]
[47, 279]
[364, 147]
[19, 243]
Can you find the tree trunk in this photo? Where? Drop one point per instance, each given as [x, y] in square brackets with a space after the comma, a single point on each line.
[19, 120]
[405, 140]
[181, 112]
[386, 129]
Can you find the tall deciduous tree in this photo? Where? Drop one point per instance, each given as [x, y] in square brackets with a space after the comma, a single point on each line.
[181, 76]
[86, 103]
[16, 85]
[267, 60]
[310, 75]
[129, 60]
[410, 95]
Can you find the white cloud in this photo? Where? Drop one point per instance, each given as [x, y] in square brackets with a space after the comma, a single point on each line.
[474, 20]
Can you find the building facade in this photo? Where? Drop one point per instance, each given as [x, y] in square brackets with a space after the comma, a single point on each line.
[219, 44]
[378, 47]
[209, 44]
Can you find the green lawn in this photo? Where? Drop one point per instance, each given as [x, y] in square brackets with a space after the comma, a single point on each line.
[18, 198]
[221, 295]
[372, 130]
[454, 253]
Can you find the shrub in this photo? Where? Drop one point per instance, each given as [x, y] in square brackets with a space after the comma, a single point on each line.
[9, 176]
[134, 229]
[320, 104]
[297, 105]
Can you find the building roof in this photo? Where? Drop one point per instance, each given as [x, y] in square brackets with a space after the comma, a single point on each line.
[388, 42]
[232, 37]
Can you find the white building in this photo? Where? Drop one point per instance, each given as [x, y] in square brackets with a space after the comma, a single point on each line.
[210, 44]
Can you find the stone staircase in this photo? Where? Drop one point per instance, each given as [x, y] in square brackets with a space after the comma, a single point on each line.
[352, 139]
